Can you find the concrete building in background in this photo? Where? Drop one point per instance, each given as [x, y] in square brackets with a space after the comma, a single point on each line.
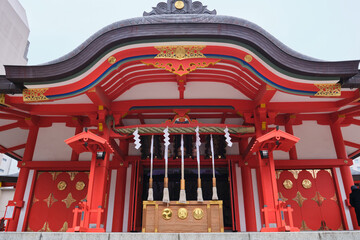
[14, 44]
[14, 34]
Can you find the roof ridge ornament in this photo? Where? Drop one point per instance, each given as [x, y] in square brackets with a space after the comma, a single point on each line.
[179, 7]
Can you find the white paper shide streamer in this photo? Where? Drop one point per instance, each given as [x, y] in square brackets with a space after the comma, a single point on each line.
[137, 139]
[166, 197]
[227, 137]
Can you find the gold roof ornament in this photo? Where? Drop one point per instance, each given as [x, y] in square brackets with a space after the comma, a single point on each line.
[328, 90]
[34, 95]
[180, 52]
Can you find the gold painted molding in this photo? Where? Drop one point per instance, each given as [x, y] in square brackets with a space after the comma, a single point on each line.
[328, 90]
[34, 95]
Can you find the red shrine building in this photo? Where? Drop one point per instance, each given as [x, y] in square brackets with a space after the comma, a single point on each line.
[181, 120]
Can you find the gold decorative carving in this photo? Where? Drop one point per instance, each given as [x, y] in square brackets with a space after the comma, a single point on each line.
[304, 227]
[64, 227]
[2, 99]
[278, 173]
[34, 95]
[299, 199]
[182, 213]
[318, 199]
[328, 90]
[72, 175]
[166, 214]
[180, 52]
[306, 183]
[198, 213]
[45, 228]
[80, 185]
[334, 198]
[288, 184]
[50, 200]
[61, 185]
[68, 200]
[112, 60]
[35, 200]
[179, 5]
[248, 58]
[295, 173]
[329, 171]
[282, 198]
[55, 175]
[316, 171]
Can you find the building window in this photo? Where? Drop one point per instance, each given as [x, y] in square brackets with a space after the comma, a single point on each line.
[4, 159]
[1, 170]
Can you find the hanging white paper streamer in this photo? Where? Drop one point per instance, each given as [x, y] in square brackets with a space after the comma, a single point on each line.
[137, 138]
[228, 138]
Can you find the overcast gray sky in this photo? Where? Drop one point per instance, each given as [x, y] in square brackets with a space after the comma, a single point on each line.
[324, 29]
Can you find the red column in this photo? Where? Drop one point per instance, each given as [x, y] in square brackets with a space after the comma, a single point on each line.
[74, 155]
[289, 129]
[248, 192]
[249, 204]
[23, 175]
[265, 175]
[98, 182]
[119, 199]
[345, 170]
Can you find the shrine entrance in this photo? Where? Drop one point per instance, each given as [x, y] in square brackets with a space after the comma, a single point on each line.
[313, 196]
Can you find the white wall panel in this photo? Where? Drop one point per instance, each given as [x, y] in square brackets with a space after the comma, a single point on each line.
[315, 141]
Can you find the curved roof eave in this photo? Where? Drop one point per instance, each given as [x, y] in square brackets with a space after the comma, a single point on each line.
[187, 26]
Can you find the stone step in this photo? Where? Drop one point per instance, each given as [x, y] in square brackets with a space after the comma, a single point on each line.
[343, 235]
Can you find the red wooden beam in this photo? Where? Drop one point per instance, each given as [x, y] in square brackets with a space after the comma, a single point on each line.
[352, 155]
[265, 94]
[349, 110]
[99, 97]
[9, 126]
[9, 117]
[117, 151]
[6, 150]
[14, 112]
[11, 154]
[352, 144]
[312, 163]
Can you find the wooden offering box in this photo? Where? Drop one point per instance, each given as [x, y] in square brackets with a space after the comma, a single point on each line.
[190, 217]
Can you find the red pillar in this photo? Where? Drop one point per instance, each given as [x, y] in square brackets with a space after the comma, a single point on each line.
[345, 170]
[119, 199]
[98, 182]
[23, 175]
[289, 129]
[74, 155]
[248, 192]
[267, 186]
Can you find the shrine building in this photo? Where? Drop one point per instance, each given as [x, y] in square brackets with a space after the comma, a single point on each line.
[181, 120]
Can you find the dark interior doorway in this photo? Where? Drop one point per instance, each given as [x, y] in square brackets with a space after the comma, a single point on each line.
[222, 181]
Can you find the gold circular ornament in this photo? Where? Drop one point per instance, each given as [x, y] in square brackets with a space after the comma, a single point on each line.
[112, 60]
[248, 58]
[166, 214]
[288, 184]
[80, 185]
[198, 213]
[182, 213]
[179, 5]
[61, 185]
[306, 183]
